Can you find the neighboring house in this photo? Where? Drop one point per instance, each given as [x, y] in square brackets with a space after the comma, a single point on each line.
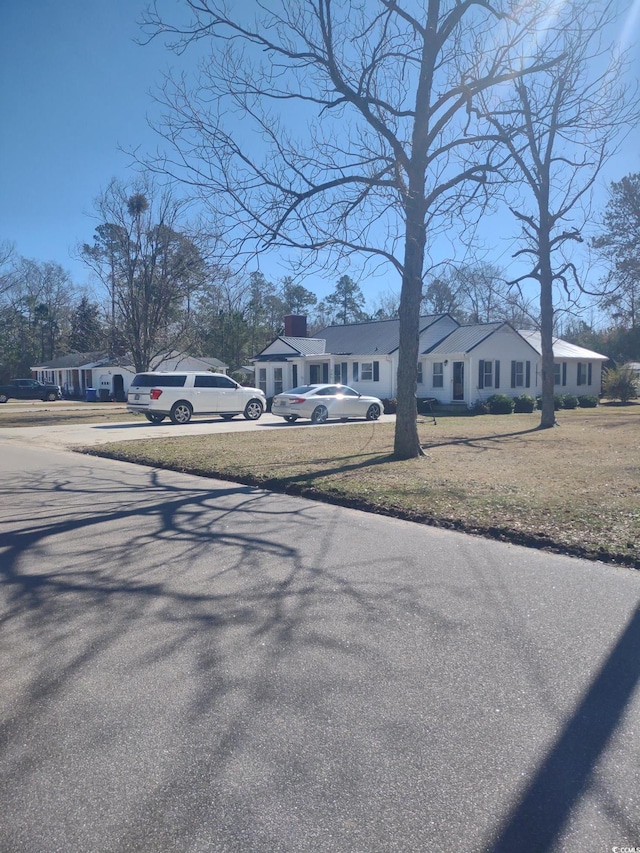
[110, 378]
[456, 363]
[635, 367]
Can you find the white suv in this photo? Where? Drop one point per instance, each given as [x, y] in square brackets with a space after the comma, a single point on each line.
[180, 394]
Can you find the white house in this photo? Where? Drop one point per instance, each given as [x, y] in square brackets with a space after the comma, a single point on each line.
[110, 378]
[457, 363]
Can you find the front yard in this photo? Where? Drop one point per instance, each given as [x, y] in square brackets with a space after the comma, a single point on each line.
[573, 489]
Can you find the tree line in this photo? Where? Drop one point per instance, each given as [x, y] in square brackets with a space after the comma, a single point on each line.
[160, 291]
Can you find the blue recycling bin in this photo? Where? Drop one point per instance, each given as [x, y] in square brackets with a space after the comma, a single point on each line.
[91, 395]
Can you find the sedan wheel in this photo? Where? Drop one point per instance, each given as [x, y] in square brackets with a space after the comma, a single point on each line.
[153, 418]
[227, 417]
[51, 397]
[253, 410]
[373, 412]
[181, 413]
[319, 415]
[3, 398]
[291, 419]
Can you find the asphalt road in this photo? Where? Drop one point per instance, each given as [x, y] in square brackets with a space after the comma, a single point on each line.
[190, 665]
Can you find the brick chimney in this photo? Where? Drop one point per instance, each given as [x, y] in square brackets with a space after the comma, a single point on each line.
[295, 326]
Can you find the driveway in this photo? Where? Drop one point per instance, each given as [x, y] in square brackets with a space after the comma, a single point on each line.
[191, 665]
[85, 435]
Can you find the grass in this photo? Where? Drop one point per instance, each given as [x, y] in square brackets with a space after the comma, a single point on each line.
[574, 489]
[50, 414]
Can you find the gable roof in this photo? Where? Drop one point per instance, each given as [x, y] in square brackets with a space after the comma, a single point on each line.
[284, 347]
[74, 359]
[371, 337]
[89, 360]
[464, 338]
[561, 349]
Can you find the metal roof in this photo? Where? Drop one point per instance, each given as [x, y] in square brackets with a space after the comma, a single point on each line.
[376, 336]
[561, 349]
[464, 338]
[306, 346]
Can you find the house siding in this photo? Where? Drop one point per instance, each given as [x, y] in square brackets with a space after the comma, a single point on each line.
[509, 360]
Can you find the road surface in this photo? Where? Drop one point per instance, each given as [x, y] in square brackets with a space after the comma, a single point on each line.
[191, 665]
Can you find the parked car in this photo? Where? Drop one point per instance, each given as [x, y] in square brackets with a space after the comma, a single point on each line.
[181, 394]
[29, 389]
[321, 402]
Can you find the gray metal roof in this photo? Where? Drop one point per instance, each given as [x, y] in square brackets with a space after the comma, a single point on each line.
[561, 349]
[464, 338]
[306, 346]
[376, 336]
[73, 359]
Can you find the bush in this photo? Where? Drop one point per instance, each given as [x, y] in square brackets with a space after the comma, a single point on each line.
[588, 401]
[524, 403]
[480, 407]
[390, 405]
[500, 404]
[619, 383]
[569, 401]
[558, 401]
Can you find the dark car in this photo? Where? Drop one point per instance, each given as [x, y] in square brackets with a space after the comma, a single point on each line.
[29, 389]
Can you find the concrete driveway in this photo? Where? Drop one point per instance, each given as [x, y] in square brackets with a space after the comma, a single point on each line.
[85, 435]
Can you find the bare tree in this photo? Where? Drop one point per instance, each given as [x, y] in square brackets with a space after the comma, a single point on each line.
[392, 152]
[558, 130]
[150, 269]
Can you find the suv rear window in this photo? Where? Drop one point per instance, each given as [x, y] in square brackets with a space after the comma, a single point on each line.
[154, 380]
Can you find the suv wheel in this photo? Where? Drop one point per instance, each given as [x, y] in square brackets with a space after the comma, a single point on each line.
[51, 397]
[253, 410]
[181, 412]
[153, 418]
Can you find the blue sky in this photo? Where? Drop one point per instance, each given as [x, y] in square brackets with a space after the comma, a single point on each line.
[74, 88]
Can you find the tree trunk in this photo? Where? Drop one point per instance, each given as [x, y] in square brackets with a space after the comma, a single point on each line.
[548, 417]
[407, 443]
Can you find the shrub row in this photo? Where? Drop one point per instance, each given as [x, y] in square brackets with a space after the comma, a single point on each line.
[501, 404]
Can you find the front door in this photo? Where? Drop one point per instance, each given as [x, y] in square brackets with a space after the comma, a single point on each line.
[458, 380]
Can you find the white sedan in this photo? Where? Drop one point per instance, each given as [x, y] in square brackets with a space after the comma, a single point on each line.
[320, 402]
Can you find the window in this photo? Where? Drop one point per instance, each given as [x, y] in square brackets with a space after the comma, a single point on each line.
[584, 373]
[420, 380]
[336, 373]
[214, 380]
[438, 374]
[262, 379]
[160, 380]
[485, 373]
[560, 373]
[370, 371]
[277, 380]
[520, 374]
[355, 371]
